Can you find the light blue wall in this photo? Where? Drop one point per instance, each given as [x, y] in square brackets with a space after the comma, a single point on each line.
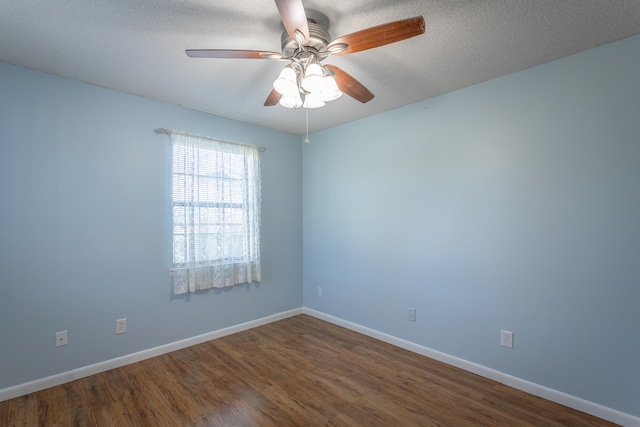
[85, 226]
[513, 204]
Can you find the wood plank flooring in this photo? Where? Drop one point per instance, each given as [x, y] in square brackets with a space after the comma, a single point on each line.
[300, 371]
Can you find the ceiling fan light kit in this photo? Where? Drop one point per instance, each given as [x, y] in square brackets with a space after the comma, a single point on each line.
[305, 82]
[309, 81]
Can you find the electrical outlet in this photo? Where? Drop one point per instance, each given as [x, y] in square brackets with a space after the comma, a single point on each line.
[412, 314]
[61, 338]
[121, 326]
[506, 339]
[319, 291]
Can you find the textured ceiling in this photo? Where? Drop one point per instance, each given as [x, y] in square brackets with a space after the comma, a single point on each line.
[137, 46]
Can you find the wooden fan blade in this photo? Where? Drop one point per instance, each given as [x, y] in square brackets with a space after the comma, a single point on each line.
[231, 53]
[293, 17]
[273, 98]
[380, 35]
[351, 86]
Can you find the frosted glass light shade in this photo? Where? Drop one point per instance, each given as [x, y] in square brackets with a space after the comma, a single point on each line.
[313, 78]
[286, 83]
[291, 101]
[330, 90]
[313, 100]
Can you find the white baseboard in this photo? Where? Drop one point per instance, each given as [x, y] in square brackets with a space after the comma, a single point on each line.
[85, 371]
[520, 384]
[574, 402]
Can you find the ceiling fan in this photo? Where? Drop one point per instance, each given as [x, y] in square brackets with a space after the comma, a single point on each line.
[305, 82]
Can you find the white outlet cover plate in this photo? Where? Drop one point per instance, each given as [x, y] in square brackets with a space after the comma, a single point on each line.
[121, 326]
[506, 339]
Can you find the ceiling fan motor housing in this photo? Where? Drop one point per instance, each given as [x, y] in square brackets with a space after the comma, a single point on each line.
[319, 39]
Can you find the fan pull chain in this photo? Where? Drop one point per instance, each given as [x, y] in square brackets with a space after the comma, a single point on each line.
[307, 138]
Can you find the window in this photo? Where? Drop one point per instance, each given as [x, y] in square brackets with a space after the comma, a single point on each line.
[216, 213]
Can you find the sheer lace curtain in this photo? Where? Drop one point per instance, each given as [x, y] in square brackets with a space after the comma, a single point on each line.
[216, 213]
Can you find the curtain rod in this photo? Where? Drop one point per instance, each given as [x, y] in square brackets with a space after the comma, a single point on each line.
[170, 132]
